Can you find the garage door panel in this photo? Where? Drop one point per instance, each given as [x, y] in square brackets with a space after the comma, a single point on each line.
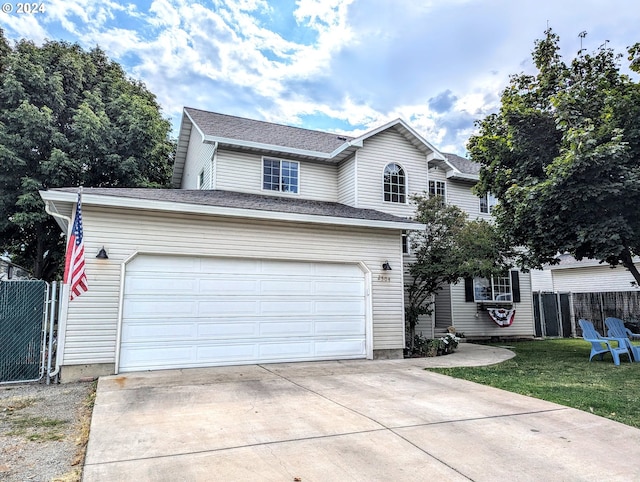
[339, 348]
[145, 308]
[163, 329]
[351, 287]
[342, 327]
[230, 266]
[221, 330]
[220, 353]
[224, 285]
[286, 350]
[288, 308]
[156, 355]
[152, 285]
[285, 329]
[235, 307]
[226, 311]
[164, 264]
[340, 307]
[291, 287]
[333, 270]
[286, 268]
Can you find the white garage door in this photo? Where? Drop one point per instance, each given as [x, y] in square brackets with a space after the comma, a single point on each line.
[193, 312]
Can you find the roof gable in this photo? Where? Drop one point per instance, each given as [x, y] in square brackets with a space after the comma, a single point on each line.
[231, 132]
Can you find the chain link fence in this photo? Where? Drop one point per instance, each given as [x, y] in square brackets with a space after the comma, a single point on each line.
[22, 330]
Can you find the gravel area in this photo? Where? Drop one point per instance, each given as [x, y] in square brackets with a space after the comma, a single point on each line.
[43, 430]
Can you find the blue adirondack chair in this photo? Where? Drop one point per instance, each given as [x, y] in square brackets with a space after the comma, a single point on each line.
[601, 345]
[616, 329]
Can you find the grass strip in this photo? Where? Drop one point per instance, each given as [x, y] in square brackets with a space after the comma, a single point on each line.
[559, 371]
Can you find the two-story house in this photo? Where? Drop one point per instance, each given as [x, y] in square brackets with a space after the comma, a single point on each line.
[276, 244]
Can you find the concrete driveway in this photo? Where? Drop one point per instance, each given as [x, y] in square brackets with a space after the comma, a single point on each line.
[345, 421]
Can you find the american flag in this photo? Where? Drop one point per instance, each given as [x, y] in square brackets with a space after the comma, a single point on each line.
[74, 262]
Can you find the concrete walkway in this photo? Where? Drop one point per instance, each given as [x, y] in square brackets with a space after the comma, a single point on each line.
[345, 421]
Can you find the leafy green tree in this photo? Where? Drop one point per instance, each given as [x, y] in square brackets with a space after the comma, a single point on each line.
[562, 156]
[68, 118]
[452, 247]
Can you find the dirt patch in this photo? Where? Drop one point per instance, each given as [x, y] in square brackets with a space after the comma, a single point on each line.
[44, 430]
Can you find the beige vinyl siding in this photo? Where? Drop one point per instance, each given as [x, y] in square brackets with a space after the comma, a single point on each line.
[443, 309]
[459, 194]
[378, 151]
[238, 171]
[198, 159]
[92, 318]
[347, 182]
[541, 280]
[592, 279]
[465, 321]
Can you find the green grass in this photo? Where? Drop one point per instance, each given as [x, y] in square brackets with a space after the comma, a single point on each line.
[559, 371]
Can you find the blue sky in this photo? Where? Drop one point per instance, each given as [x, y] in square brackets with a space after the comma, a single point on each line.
[335, 65]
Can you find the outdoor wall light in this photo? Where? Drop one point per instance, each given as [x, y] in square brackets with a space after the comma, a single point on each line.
[386, 266]
[102, 254]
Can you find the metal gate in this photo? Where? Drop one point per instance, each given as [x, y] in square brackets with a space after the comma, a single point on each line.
[23, 330]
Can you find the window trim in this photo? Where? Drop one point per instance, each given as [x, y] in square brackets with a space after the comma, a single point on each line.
[200, 180]
[489, 197]
[406, 243]
[405, 194]
[492, 279]
[435, 185]
[279, 190]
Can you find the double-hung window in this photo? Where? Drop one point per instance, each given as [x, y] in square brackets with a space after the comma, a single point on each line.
[487, 203]
[496, 288]
[278, 175]
[438, 188]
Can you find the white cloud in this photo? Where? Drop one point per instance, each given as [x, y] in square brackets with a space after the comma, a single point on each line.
[358, 62]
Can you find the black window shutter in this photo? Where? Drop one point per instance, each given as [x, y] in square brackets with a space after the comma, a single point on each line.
[468, 289]
[515, 286]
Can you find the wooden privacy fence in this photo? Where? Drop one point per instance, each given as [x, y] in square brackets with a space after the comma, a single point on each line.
[557, 314]
[598, 306]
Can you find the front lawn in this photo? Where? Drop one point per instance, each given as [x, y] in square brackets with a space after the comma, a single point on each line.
[559, 371]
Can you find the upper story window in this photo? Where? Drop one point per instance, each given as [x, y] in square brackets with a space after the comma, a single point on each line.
[395, 184]
[487, 203]
[280, 175]
[200, 181]
[438, 188]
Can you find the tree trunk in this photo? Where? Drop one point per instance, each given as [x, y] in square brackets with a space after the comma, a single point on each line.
[627, 262]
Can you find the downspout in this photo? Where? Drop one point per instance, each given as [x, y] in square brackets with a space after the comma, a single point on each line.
[213, 179]
[64, 298]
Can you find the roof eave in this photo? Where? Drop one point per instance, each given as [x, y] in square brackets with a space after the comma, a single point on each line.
[187, 208]
[462, 176]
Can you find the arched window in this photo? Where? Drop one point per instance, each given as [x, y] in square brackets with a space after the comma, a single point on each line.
[395, 184]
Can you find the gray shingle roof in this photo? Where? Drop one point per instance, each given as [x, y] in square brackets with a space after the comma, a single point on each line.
[238, 128]
[463, 164]
[240, 200]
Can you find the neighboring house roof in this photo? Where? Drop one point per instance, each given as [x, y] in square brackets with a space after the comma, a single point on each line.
[11, 271]
[276, 139]
[568, 261]
[231, 203]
